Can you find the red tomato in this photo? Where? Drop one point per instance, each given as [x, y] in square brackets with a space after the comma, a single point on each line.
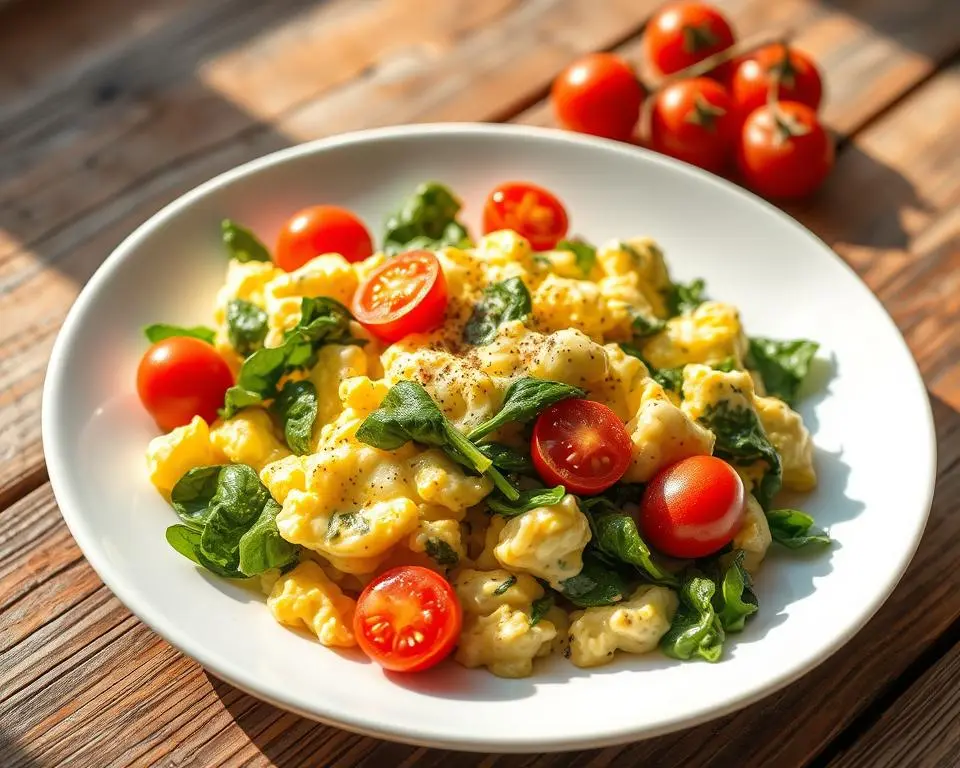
[528, 210]
[682, 34]
[598, 94]
[581, 445]
[692, 508]
[694, 121]
[407, 294]
[792, 75]
[321, 229]
[408, 619]
[182, 377]
[783, 151]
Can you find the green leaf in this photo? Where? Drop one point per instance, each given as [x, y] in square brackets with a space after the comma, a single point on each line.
[682, 298]
[540, 608]
[427, 220]
[505, 585]
[186, 541]
[160, 331]
[236, 399]
[596, 584]
[507, 458]
[524, 401]
[441, 552]
[695, 630]
[296, 408]
[668, 378]
[726, 365]
[584, 253]
[192, 494]
[735, 600]
[246, 326]
[262, 547]
[644, 326]
[783, 365]
[501, 303]
[343, 522]
[241, 243]
[616, 535]
[742, 442]
[529, 499]
[795, 529]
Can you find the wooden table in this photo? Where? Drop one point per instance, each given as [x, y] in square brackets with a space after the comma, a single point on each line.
[109, 109]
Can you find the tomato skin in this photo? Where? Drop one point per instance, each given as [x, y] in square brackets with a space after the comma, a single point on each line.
[399, 605]
[693, 508]
[598, 94]
[528, 210]
[681, 34]
[391, 313]
[784, 152]
[794, 75]
[182, 377]
[592, 434]
[694, 121]
[318, 230]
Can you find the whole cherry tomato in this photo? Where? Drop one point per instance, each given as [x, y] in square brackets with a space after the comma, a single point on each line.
[318, 230]
[681, 34]
[789, 73]
[694, 121]
[528, 210]
[598, 94]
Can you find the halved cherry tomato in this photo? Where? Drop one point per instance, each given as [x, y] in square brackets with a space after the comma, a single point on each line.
[693, 508]
[528, 210]
[318, 230]
[580, 444]
[598, 94]
[182, 377]
[694, 121]
[790, 72]
[408, 619]
[405, 295]
[681, 34]
[784, 151]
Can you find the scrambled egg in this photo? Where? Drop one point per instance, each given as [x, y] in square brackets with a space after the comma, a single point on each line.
[356, 510]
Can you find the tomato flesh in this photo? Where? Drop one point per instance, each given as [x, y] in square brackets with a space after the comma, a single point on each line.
[405, 295]
[582, 445]
[182, 377]
[408, 619]
[692, 508]
[318, 230]
[528, 210]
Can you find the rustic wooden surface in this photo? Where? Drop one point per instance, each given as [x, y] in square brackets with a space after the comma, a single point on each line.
[110, 109]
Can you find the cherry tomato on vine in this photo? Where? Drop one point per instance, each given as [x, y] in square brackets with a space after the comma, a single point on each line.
[694, 121]
[580, 444]
[784, 151]
[598, 94]
[407, 294]
[791, 73]
[318, 230]
[408, 619]
[182, 377]
[681, 34]
[693, 508]
[528, 210]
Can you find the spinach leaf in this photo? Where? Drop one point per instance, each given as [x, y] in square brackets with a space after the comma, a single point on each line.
[742, 441]
[441, 552]
[296, 407]
[696, 630]
[262, 547]
[427, 219]
[524, 401]
[505, 585]
[529, 499]
[540, 608]
[668, 378]
[160, 331]
[616, 536]
[682, 298]
[191, 495]
[735, 600]
[238, 398]
[501, 303]
[795, 529]
[343, 522]
[726, 365]
[645, 326]
[783, 365]
[596, 584]
[507, 458]
[584, 254]
[409, 413]
[234, 508]
[186, 541]
[246, 326]
[241, 243]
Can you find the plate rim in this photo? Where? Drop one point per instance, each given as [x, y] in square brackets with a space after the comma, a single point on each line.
[71, 510]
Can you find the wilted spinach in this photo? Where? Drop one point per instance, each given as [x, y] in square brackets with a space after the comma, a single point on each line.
[427, 219]
[441, 552]
[296, 408]
[696, 630]
[529, 499]
[501, 303]
[540, 608]
[783, 365]
[596, 584]
[523, 401]
[682, 297]
[507, 458]
[241, 243]
[584, 254]
[160, 331]
[246, 326]
[795, 529]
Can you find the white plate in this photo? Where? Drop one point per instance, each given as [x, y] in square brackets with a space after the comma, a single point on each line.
[872, 425]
